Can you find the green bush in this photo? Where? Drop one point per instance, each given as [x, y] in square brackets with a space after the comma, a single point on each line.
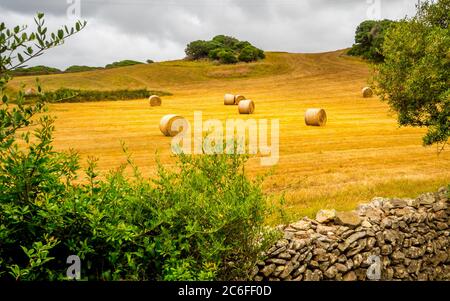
[226, 57]
[76, 68]
[36, 70]
[249, 54]
[123, 63]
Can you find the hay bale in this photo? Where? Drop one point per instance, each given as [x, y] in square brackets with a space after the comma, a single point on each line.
[246, 106]
[165, 125]
[228, 99]
[155, 101]
[315, 117]
[238, 99]
[367, 92]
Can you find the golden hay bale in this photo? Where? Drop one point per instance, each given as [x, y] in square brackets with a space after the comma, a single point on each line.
[238, 99]
[367, 92]
[315, 117]
[165, 125]
[155, 101]
[246, 106]
[228, 100]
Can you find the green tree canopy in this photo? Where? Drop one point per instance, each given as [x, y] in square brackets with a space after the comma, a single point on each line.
[415, 76]
[225, 49]
[369, 39]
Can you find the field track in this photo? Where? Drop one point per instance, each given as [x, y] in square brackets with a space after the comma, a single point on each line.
[361, 153]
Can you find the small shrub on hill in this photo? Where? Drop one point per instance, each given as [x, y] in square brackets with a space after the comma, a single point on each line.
[123, 63]
[36, 70]
[76, 68]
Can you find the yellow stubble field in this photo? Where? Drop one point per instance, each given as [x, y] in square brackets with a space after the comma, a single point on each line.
[359, 154]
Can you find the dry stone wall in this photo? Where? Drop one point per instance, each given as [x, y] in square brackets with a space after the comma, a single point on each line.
[403, 239]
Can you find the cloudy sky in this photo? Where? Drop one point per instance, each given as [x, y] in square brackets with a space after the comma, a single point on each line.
[160, 29]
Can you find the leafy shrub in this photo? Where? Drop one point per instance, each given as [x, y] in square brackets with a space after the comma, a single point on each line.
[76, 68]
[36, 70]
[226, 57]
[149, 61]
[123, 63]
[249, 54]
[69, 95]
[221, 48]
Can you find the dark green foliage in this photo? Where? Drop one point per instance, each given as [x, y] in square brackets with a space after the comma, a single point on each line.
[36, 70]
[150, 61]
[123, 63]
[76, 68]
[249, 54]
[199, 49]
[226, 57]
[369, 40]
[415, 76]
[70, 95]
[221, 48]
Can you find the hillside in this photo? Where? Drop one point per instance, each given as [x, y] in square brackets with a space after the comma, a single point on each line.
[361, 152]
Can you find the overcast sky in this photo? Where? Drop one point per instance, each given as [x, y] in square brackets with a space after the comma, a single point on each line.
[160, 29]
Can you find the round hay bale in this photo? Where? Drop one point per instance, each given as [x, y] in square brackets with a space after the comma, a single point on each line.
[228, 100]
[246, 106]
[155, 101]
[165, 125]
[238, 99]
[367, 92]
[315, 117]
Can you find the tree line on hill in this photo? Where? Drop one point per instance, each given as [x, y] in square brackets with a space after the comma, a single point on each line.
[43, 70]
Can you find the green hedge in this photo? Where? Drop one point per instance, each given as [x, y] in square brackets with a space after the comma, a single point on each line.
[70, 95]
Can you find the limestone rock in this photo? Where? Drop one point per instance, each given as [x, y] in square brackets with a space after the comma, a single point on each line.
[325, 216]
[348, 219]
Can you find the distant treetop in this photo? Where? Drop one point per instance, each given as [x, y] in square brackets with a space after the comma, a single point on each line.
[225, 49]
[369, 39]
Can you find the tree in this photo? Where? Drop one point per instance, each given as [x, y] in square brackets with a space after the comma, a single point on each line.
[224, 49]
[415, 76]
[198, 50]
[369, 38]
